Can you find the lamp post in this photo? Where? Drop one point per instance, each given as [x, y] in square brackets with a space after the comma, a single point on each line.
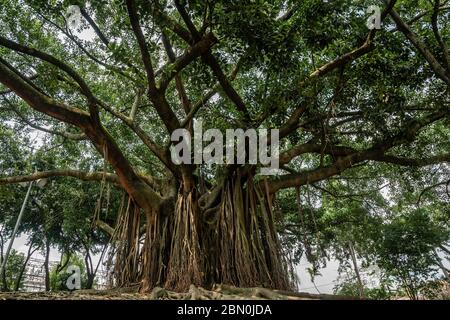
[19, 219]
[40, 183]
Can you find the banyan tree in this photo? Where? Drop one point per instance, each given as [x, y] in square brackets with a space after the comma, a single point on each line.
[118, 78]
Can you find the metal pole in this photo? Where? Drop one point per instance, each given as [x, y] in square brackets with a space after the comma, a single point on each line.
[19, 219]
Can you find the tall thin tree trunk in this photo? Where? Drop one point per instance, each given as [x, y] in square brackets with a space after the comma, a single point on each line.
[63, 263]
[3, 275]
[441, 265]
[24, 266]
[46, 265]
[355, 266]
[443, 248]
[89, 269]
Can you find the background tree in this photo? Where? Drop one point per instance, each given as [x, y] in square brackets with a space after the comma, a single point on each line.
[59, 276]
[12, 271]
[406, 251]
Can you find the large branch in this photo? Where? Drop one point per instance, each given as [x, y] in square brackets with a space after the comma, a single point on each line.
[106, 41]
[423, 14]
[5, 92]
[165, 21]
[376, 152]
[366, 47]
[39, 101]
[421, 47]
[137, 188]
[337, 151]
[66, 31]
[146, 59]
[94, 26]
[85, 176]
[443, 45]
[293, 121]
[57, 63]
[103, 142]
[308, 177]
[411, 162]
[64, 134]
[192, 36]
[173, 68]
[187, 20]
[178, 79]
[345, 58]
[159, 152]
[78, 174]
[105, 227]
[346, 162]
[227, 87]
[26, 79]
[207, 96]
[155, 95]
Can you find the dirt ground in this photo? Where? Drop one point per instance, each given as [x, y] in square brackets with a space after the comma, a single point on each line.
[195, 293]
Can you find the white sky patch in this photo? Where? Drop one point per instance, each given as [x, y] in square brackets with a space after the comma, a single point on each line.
[86, 34]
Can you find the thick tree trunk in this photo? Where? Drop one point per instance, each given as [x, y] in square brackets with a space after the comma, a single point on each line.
[234, 243]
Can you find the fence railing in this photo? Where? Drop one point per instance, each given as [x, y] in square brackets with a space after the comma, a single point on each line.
[34, 277]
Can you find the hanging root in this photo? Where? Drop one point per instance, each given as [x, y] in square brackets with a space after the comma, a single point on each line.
[235, 243]
[249, 253]
[185, 263]
[126, 251]
[156, 250]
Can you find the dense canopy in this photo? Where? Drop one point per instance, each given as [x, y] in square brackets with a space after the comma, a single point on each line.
[363, 119]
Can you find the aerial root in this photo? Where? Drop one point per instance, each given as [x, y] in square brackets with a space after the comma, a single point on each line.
[221, 292]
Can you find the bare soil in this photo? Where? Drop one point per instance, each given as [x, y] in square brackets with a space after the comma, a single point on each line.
[219, 292]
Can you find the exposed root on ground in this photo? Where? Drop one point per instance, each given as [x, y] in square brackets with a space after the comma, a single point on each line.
[218, 292]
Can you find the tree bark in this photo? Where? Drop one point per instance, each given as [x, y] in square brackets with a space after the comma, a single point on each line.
[3, 275]
[46, 265]
[89, 270]
[355, 266]
[443, 268]
[24, 266]
[234, 242]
